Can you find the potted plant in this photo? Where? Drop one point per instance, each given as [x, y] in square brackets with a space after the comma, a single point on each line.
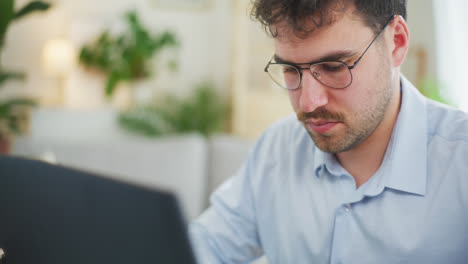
[126, 57]
[204, 111]
[13, 112]
[14, 119]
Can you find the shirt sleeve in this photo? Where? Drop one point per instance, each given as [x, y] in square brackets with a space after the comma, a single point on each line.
[227, 231]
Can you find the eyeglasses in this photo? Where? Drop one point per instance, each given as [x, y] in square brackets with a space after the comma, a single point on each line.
[334, 74]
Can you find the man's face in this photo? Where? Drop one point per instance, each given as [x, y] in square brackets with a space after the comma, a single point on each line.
[340, 119]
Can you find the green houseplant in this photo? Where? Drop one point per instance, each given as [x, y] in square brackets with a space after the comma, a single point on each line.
[125, 57]
[204, 111]
[433, 89]
[13, 112]
[7, 16]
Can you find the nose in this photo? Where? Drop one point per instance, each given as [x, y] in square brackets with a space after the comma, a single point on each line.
[313, 93]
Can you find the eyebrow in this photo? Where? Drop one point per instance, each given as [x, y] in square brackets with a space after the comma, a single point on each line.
[332, 56]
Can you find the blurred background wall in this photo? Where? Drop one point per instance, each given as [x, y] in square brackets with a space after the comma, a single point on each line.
[204, 31]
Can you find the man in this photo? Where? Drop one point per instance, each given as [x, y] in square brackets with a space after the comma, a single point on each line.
[371, 173]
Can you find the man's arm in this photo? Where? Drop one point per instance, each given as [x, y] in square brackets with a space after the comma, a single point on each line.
[227, 231]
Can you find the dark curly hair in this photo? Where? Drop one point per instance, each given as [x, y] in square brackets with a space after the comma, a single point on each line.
[295, 13]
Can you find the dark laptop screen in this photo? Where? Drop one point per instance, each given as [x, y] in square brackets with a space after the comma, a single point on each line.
[50, 214]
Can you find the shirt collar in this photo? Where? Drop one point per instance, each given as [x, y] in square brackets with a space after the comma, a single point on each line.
[408, 158]
[326, 161]
[408, 168]
[320, 161]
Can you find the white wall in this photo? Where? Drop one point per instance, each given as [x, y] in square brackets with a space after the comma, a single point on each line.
[205, 35]
[452, 54]
[421, 25]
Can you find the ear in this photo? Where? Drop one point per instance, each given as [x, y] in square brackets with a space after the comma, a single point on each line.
[399, 40]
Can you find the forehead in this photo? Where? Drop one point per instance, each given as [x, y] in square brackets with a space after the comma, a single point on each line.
[347, 33]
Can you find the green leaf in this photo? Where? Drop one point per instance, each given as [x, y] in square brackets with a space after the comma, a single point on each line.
[204, 112]
[6, 107]
[32, 7]
[17, 102]
[127, 56]
[5, 76]
[13, 112]
[112, 81]
[143, 121]
[6, 15]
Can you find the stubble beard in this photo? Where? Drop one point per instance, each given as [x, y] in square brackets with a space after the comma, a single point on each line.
[360, 125]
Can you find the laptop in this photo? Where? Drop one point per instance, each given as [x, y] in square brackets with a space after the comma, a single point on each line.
[55, 215]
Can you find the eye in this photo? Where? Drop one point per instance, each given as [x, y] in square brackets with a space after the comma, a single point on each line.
[289, 69]
[333, 66]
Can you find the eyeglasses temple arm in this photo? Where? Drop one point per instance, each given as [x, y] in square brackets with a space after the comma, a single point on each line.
[376, 37]
[268, 64]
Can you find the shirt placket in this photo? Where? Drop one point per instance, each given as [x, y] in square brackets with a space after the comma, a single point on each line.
[343, 216]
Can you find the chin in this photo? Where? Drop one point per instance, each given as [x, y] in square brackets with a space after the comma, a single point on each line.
[325, 143]
[334, 144]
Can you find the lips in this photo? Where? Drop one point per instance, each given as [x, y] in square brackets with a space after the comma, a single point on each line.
[321, 126]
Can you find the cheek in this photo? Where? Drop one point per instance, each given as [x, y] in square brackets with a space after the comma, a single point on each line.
[349, 101]
[354, 95]
[294, 97]
[366, 79]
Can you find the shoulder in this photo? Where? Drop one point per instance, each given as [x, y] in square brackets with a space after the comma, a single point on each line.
[447, 123]
[447, 139]
[448, 148]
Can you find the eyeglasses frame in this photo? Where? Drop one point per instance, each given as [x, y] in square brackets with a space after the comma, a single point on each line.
[350, 67]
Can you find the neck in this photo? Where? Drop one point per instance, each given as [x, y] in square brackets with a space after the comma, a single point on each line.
[365, 159]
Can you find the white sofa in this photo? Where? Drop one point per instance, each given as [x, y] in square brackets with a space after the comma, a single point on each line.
[190, 165]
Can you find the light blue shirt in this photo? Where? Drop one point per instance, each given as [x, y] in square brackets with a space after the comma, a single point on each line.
[296, 204]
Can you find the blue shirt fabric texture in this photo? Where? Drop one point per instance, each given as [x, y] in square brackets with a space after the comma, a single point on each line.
[296, 204]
